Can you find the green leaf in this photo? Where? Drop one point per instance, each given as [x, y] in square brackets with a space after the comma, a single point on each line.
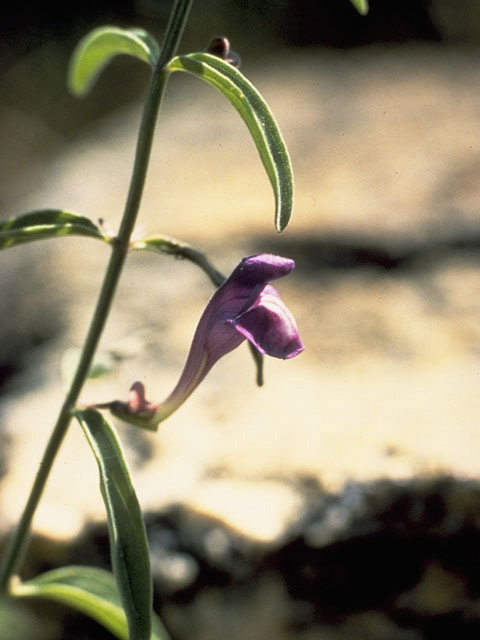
[258, 118]
[361, 6]
[89, 590]
[47, 223]
[150, 42]
[98, 47]
[170, 246]
[128, 541]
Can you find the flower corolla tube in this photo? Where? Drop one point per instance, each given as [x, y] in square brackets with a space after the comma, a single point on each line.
[245, 306]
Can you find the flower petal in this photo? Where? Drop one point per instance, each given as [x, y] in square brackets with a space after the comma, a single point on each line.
[211, 341]
[260, 269]
[270, 326]
[244, 306]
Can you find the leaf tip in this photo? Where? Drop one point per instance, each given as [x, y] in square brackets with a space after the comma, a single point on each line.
[361, 6]
[282, 218]
[95, 50]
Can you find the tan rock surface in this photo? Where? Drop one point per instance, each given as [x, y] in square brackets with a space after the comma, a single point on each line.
[386, 148]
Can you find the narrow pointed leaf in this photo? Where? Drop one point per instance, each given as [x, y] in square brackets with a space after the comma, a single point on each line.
[46, 223]
[128, 542]
[361, 6]
[170, 246]
[258, 118]
[97, 49]
[90, 591]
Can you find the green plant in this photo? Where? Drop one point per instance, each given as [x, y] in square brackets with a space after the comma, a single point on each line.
[245, 306]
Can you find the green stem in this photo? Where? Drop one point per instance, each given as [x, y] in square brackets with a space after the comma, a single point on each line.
[17, 544]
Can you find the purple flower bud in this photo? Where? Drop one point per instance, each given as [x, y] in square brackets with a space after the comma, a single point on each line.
[244, 306]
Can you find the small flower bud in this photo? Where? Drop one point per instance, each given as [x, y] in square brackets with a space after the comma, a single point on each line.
[220, 47]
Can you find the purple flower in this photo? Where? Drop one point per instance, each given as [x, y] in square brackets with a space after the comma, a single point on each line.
[245, 306]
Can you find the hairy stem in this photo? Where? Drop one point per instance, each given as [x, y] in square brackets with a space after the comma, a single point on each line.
[17, 544]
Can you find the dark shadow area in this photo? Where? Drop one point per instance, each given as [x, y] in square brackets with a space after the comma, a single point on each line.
[340, 253]
[26, 25]
[38, 39]
[406, 553]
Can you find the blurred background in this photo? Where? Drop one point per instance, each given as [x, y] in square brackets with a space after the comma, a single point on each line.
[327, 47]
[37, 39]
[342, 498]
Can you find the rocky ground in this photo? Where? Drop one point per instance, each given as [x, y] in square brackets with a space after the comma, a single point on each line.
[341, 499]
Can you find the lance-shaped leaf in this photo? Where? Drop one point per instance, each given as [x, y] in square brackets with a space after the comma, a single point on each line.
[47, 223]
[90, 591]
[361, 6]
[171, 246]
[97, 49]
[128, 542]
[258, 118]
